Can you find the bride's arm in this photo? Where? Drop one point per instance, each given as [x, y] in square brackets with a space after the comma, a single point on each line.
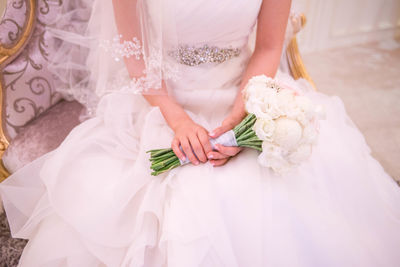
[188, 134]
[272, 21]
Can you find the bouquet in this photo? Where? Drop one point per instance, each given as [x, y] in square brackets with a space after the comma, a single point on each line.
[281, 124]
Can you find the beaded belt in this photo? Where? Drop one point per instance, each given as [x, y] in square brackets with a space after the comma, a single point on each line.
[193, 56]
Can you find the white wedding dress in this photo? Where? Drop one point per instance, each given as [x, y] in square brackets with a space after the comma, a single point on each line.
[93, 202]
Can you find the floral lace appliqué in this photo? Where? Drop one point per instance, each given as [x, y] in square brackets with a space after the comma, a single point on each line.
[156, 69]
[120, 49]
[155, 72]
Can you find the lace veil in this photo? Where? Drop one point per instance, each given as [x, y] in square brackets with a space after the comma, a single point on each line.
[108, 46]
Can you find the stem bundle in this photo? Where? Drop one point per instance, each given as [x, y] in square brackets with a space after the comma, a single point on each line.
[163, 160]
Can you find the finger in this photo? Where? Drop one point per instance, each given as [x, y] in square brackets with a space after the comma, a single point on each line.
[227, 125]
[188, 151]
[216, 155]
[197, 148]
[205, 141]
[219, 162]
[178, 152]
[219, 131]
[228, 150]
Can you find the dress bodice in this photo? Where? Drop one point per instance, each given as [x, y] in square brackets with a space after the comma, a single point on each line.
[223, 22]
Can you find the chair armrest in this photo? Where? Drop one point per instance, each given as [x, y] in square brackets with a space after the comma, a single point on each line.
[7, 54]
[295, 61]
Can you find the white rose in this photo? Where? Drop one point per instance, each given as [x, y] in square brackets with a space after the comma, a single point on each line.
[277, 163]
[286, 102]
[287, 133]
[301, 118]
[254, 91]
[259, 108]
[310, 134]
[253, 96]
[254, 106]
[256, 86]
[264, 128]
[302, 153]
[264, 159]
[305, 105]
[270, 104]
[259, 79]
[285, 96]
[272, 149]
[274, 157]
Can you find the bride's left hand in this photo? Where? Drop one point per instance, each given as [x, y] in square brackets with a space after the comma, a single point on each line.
[222, 154]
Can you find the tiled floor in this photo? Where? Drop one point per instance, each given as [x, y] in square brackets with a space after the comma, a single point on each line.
[367, 78]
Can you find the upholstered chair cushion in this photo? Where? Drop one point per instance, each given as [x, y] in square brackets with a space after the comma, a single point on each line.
[43, 134]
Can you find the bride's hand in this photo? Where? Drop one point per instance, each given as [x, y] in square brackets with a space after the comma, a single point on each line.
[224, 153]
[188, 135]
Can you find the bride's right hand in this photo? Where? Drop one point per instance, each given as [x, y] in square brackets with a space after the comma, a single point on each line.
[188, 135]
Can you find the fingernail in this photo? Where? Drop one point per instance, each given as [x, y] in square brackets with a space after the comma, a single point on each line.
[183, 158]
[210, 156]
[196, 163]
[211, 134]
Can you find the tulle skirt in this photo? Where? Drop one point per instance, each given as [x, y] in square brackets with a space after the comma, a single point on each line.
[93, 202]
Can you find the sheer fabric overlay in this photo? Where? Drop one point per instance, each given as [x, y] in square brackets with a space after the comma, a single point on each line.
[106, 47]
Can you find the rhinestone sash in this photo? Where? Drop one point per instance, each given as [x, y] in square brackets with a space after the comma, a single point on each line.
[194, 56]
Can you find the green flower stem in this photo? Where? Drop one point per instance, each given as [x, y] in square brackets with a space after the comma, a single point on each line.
[245, 140]
[162, 157]
[247, 123]
[163, 164]
[173, 165]
[159, 152]
[242, 123]
[245, 136]
[163, 160]
[242, 129]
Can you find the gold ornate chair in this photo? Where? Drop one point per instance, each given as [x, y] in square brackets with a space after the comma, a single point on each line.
[34, 118]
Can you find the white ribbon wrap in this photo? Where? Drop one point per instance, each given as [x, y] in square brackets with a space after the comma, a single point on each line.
[226, 139]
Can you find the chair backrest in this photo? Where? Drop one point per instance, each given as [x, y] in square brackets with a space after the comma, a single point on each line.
[27, 88]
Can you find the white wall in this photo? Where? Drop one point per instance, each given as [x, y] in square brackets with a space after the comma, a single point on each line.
[336, 23]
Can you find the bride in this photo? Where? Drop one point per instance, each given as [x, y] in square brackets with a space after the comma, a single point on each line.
[173, 78]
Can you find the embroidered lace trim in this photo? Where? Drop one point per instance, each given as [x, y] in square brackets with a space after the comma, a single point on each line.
[156, 69]
[123, 49]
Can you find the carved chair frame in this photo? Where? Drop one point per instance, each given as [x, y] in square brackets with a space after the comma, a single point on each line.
[7, 55]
